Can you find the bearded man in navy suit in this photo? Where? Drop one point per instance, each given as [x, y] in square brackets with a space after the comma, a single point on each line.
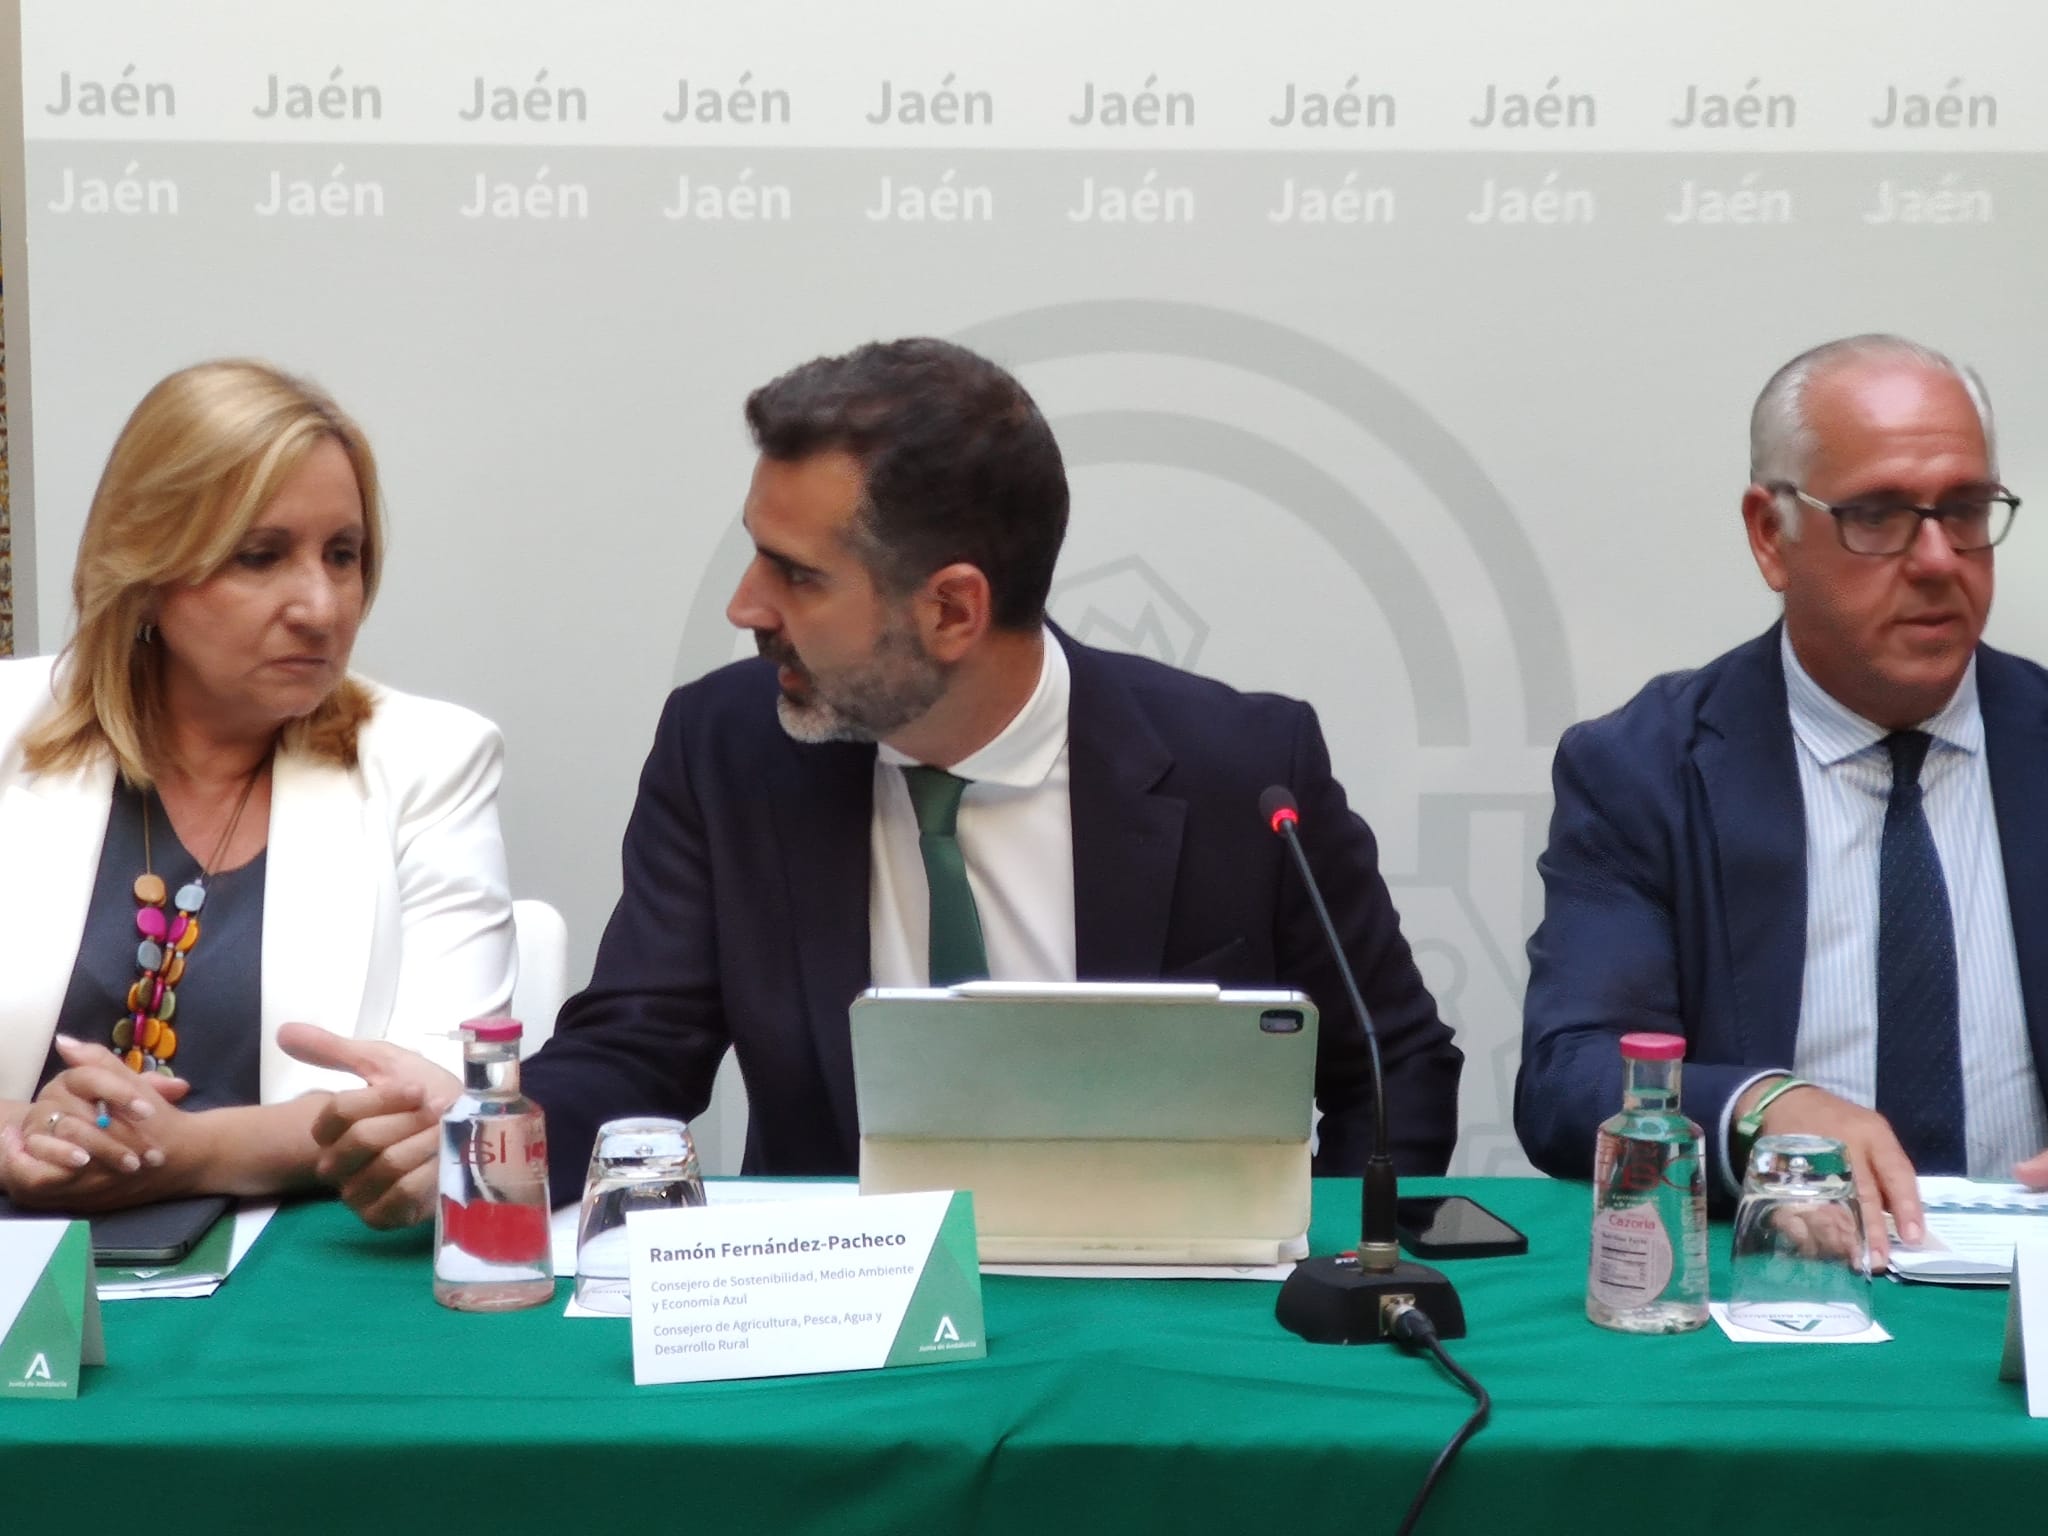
[1823, 857]
[907, 509]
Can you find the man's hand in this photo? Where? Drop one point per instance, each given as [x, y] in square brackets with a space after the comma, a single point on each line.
[2033, 1172]
[379, 1143]
[1820, 1232]
[1884, 1174]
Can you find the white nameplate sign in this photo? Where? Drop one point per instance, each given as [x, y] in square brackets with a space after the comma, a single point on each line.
[49, 1309]
[799, 1287]
[2026, 1325]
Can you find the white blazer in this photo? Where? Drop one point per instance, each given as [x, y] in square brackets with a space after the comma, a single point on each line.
[386, 909]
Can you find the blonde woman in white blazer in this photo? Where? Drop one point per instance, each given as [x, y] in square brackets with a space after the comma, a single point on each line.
[209, 827]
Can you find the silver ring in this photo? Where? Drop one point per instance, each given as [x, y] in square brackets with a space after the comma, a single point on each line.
[50, 1128]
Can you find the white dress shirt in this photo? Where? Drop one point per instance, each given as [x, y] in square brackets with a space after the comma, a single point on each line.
[1845, 778]
[1016, 832]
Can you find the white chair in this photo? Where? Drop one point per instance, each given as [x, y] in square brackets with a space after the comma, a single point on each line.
[543, 986]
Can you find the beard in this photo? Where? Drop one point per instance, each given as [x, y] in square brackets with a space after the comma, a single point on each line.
[865, 701]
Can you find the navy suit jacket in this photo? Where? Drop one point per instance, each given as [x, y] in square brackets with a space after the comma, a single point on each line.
[1675, 890]
[743, 921]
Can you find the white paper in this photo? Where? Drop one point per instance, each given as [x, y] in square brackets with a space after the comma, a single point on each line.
[1874, 1334]
[1972, 1226]
[1962, 1248]
[249, 1220]
[562, 1238]
[1955, 1194]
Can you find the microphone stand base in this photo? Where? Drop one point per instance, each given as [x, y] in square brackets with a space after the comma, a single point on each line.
[1335, 1301]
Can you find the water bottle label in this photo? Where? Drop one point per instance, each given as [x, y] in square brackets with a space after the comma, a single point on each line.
[495, 1147]
[494, 1203]
[501, 1231]
[1632, 1258]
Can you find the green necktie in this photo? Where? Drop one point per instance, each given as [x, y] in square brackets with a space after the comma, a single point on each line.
[957, 952]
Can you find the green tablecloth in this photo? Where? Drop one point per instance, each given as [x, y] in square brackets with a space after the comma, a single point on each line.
[323, 1389]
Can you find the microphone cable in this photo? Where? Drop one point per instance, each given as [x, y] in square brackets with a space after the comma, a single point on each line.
[1411, 1325]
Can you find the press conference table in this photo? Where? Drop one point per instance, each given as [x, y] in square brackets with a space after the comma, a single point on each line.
[322, 1389]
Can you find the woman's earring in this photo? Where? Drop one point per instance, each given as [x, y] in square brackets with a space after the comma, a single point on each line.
[145, 633]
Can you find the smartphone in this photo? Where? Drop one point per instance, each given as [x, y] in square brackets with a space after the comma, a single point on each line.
[1453, 1227]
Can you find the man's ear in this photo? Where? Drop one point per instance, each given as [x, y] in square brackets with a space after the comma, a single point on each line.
[1764, 514]
[955, 609]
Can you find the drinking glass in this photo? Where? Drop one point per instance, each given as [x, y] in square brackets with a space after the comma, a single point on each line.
[641, 1164]
[1800, 1264]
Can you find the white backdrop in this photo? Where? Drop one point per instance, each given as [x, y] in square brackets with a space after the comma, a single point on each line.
[1402, 355]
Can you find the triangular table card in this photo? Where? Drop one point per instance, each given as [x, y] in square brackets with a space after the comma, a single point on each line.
[49, 1308]
[2026, 1325]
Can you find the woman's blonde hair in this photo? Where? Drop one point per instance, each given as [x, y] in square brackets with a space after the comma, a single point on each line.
[202, 456]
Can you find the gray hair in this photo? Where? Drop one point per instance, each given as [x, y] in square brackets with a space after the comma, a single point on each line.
[1781, 443]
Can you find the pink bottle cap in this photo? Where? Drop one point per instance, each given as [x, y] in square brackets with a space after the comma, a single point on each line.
[504, 1029]
[1652, 1047]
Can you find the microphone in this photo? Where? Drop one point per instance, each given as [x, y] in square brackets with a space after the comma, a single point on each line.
[1356, 1299]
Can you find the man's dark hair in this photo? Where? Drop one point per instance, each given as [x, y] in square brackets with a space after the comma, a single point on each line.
[957, 464]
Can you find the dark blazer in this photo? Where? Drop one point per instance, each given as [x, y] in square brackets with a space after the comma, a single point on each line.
[744, 916]
[1675, 890]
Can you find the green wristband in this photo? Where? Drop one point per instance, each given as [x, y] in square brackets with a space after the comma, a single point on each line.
[1747, 1127]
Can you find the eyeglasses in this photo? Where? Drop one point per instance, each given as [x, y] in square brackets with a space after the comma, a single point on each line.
[1887, 525]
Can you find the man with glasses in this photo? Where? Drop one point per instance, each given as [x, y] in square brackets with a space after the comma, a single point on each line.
[1823, 857]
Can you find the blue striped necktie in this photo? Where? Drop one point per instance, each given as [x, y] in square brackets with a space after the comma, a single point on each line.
[1919, 1041]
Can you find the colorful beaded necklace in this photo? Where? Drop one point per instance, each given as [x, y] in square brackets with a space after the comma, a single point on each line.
[145, 1037]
